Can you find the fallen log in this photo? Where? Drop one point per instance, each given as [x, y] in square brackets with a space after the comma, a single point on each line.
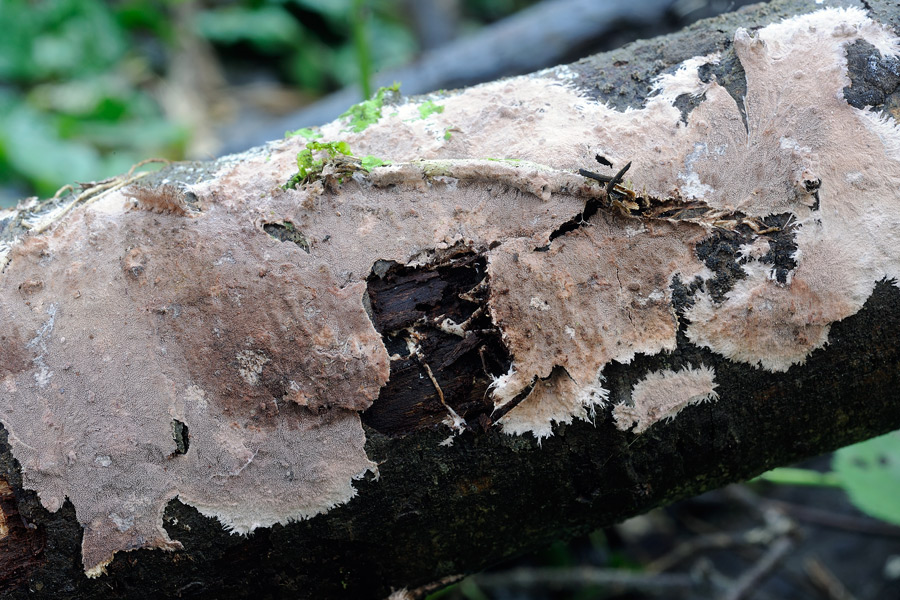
[385, 376]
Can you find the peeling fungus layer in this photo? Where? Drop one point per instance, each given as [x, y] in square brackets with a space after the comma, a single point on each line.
[663, 394]
[118, 321]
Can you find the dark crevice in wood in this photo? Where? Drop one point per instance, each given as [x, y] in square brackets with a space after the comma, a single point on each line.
[285, 231]
[21, 543]
[408, 307]
[181, 437]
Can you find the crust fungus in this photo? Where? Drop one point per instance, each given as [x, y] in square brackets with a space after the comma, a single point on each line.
[663, 394]
[117, 322]
[143, 319]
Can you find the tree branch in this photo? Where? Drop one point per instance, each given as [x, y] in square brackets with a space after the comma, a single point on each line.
[241, 359]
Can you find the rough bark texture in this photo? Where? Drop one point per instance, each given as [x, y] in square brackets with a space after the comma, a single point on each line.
[442, 511]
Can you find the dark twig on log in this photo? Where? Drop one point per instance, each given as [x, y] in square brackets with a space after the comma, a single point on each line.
[756, 574]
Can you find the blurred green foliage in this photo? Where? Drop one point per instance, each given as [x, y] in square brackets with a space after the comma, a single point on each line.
[71, 103]
[311, 41]
[79, 79]
[869, 472]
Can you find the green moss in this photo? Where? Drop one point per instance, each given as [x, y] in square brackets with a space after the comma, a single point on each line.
[304, 132]
[369, 162]
[359, 116]
[428, 108]
[447, 135]
[308, 166]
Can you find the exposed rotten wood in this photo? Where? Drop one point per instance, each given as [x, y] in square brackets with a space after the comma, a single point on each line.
[21, 543]
[439, 309]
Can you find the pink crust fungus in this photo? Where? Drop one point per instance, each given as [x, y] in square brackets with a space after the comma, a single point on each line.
[594, 296]
[143, 320]
[663, 394]
[116, 323]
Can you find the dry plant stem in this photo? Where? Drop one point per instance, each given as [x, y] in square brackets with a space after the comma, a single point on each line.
[544, 181]
[826, 518]
[577, 578]
[826, 581]
[809, 514]
[66, 188]
[776, 525]
[95, 192]
[754, 576]
[714, 541]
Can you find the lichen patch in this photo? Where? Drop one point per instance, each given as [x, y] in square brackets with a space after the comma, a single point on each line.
[663, 394]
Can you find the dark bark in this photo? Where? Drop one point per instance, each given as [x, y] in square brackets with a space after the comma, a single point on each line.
[439, 511]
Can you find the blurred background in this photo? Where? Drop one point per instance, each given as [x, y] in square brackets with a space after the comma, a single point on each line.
[88, 88]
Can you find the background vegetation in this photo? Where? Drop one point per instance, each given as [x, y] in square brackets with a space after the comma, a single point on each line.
[89, 87]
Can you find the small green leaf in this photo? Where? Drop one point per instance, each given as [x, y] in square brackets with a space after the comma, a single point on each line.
[343, 148]
[359, 116]
[870, 473]
[304, 132]
[448, 135]
[428, 108]
[369, 162]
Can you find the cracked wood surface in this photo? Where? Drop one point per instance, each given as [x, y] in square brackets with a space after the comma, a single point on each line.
[441, 509]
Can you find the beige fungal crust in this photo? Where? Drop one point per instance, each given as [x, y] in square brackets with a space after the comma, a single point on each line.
[598, 294]
[557, 399]
[801, 128]
[116, 322]
[663, 394]
[143, 319]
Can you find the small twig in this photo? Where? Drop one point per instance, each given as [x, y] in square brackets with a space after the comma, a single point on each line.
[834, 520]
[94, 191]
[809, 514]
[755, 575]
[415, 350]
[617, 178]
[713, 541]
[603, 160]
[86, 185]
[595, 176]
[112, 188]
[826, 581]
[429, 588]
[66, 188]
[434, 382]
[147, 161]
